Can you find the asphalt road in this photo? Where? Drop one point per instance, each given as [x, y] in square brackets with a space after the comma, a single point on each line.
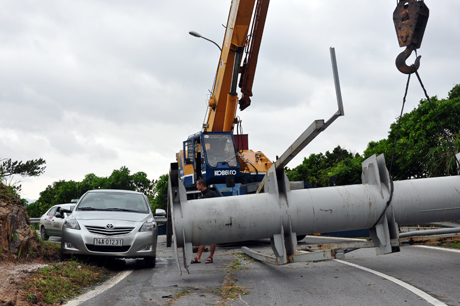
[415, 276]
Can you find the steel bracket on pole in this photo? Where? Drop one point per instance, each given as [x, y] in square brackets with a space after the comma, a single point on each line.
[174, 202]
[284, 247]
[276, 182]
[278, 245]
[291, 242]
[312, 131]
[177, 198]
[187, 250]
[180, 199]
[385, 229]
[284, 244]
[271, 182]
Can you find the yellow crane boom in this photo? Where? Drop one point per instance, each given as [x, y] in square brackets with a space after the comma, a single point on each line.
[223, 101]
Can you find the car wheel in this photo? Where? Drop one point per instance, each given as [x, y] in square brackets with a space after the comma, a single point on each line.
[150, 261]
[43, 233]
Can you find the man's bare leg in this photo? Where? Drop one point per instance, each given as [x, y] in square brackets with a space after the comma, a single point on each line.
[211, 253]
[213, 249]
[199, 252]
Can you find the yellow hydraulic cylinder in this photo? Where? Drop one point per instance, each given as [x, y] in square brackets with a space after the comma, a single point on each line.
[230, 111]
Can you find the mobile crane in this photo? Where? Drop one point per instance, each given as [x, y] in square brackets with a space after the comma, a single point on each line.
[216, 153]
[276, 210]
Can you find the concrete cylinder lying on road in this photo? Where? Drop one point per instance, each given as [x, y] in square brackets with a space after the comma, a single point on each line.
[281, 214]
[318, 210]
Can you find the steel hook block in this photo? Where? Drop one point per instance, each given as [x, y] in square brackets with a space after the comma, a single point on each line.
[401, 62]
[410, 18]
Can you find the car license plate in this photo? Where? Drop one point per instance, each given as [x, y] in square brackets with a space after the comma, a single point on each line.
[108, 241]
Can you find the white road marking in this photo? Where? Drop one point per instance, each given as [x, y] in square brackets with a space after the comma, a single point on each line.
[336, 238]
[437, 248]
[411, 288]
[99, 289]
[243, 300]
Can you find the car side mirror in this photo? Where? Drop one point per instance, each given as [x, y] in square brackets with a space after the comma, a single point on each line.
[160, 212]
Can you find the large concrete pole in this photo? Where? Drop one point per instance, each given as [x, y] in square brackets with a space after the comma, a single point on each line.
[318, 210]
[308, 211]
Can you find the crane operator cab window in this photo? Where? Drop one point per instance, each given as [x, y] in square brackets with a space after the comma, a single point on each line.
[220, 149]
[188, 152]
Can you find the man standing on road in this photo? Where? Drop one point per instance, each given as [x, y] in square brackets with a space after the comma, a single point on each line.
[205, 193]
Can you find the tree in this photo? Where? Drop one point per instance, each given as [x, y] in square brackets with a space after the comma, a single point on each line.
[120, 179]
[454, 93]
[29, 168]
[9, 168]
[142, 184]
[91, 181]
[64, 191]
[309, 170]
[316, 170]
[48, 197]
[441, 160]
[422, 149]
[160, 192]
[348, 171]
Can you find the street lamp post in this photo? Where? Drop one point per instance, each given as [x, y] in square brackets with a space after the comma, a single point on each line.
[196, 34]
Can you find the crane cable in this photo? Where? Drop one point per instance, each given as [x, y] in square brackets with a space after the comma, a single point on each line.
[443, 132]
[393, 154]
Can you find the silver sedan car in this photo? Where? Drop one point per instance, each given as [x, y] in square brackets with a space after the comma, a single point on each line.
[116, 223]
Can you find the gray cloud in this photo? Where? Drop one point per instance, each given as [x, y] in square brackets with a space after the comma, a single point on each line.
[94, 85]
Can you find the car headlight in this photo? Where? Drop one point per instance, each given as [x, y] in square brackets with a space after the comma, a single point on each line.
[148, 226]
[72, 223]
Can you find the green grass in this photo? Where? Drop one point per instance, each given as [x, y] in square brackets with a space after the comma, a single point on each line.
[178, 296]
[182, 293]
[453, 245]
[229, 290]
[45, 249]
[61, 281]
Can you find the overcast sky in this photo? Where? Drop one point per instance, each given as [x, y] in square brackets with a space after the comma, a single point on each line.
[91, 86]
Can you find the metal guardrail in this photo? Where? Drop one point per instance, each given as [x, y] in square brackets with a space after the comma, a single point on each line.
[34, 220]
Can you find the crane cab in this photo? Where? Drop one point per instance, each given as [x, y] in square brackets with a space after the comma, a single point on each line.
[227, 168]
[211, 156]
[214, 157]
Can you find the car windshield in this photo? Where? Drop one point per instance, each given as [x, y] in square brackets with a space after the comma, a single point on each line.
[67, 209]
[114, 201]
[220, 148]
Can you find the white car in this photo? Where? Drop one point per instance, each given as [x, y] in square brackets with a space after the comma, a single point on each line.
[52, 221]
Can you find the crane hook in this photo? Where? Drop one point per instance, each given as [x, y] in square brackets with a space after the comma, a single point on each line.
[401, 61]
[410, 18]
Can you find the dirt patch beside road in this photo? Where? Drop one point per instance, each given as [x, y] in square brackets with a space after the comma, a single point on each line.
[11, 275]
[14, 270]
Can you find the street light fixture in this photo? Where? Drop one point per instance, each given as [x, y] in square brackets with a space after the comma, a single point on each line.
[196, 34]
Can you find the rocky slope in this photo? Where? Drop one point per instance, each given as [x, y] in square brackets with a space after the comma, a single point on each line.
[16, 235]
